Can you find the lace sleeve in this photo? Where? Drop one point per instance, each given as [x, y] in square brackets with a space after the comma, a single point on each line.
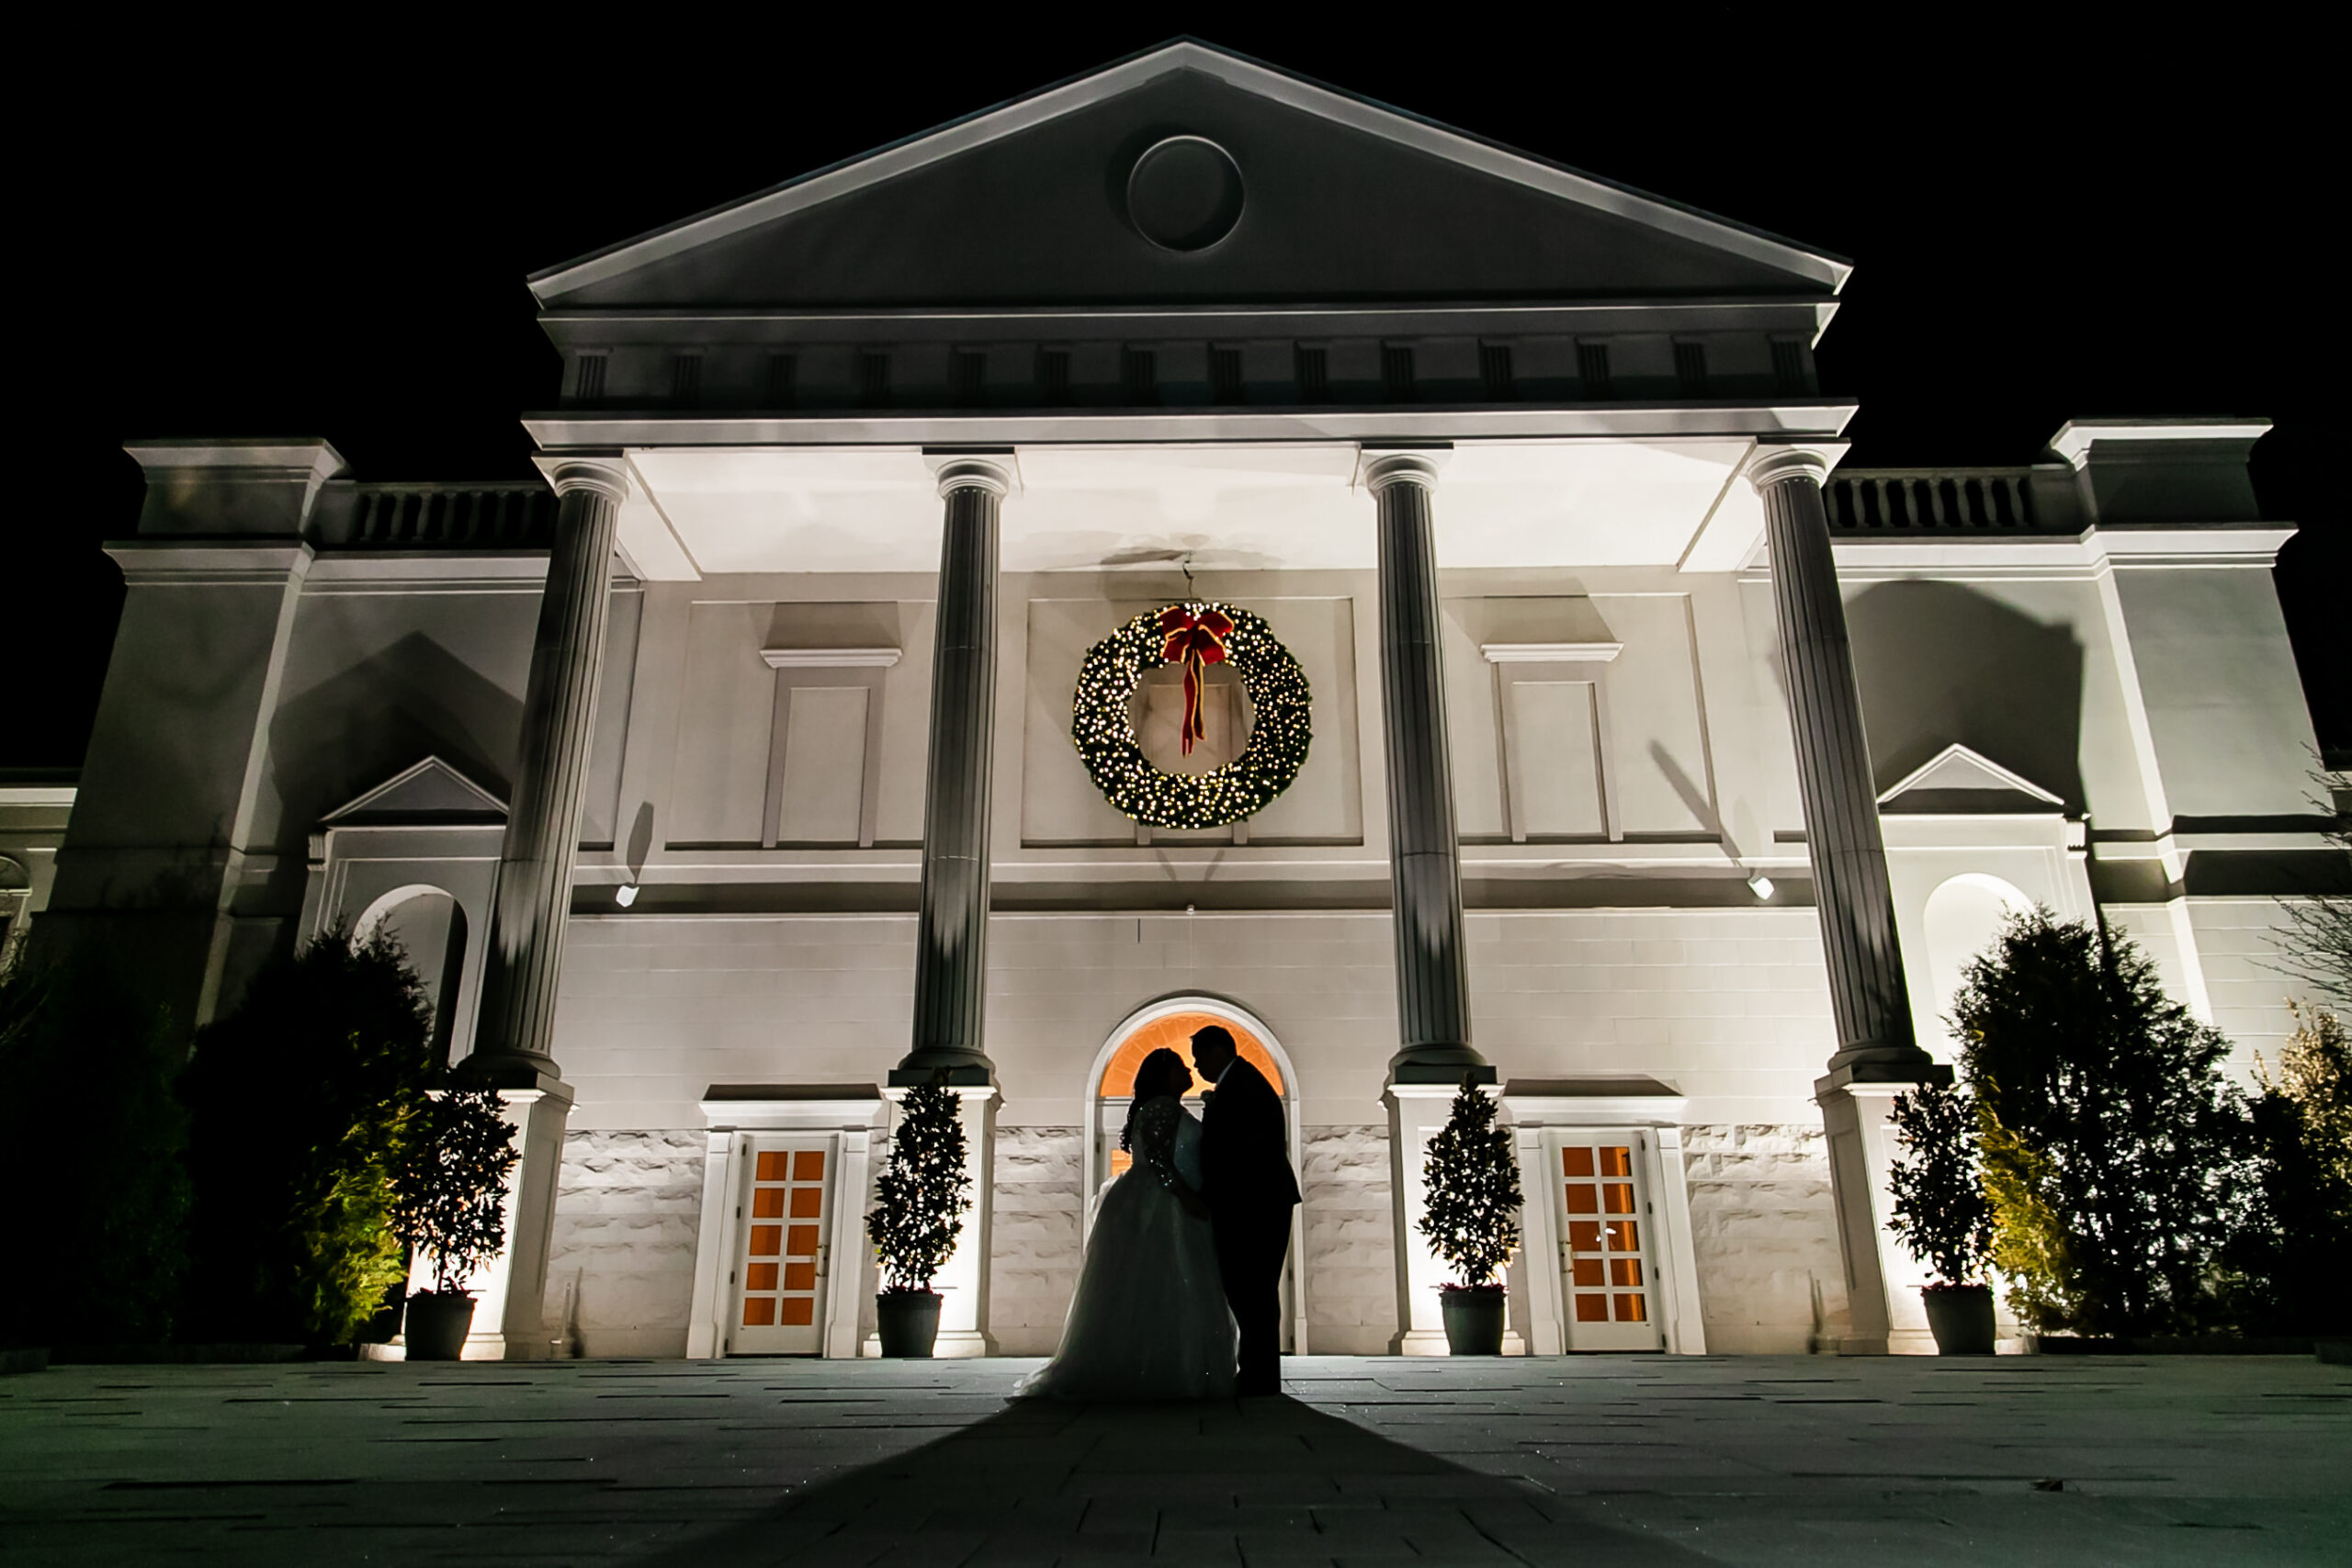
[1155, 1139]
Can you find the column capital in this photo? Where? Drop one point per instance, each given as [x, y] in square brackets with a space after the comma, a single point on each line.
[1378, 468]
[1774, 463]
[998, 472]
[605, 474]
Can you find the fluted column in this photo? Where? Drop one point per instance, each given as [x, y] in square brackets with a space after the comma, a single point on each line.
[1867, 993]
[1424, 860]
[514, 1034]
[951, 939]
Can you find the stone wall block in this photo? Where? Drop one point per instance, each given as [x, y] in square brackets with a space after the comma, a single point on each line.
[1035, 1246]
[1348, 1239]
[1764, 1235]
[628, 1207]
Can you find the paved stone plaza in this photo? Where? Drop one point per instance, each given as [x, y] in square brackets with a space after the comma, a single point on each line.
[1589, 1462]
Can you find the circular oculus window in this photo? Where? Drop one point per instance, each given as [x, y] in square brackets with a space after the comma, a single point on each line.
[1184, 194]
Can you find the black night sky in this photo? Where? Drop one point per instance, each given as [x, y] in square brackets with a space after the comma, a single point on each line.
[2055, 214]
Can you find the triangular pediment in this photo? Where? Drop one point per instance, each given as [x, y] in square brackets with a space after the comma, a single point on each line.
[430, 792]
[1338, 198]
[1959, 781]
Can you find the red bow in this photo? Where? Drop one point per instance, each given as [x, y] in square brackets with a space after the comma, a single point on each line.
[1194, 639]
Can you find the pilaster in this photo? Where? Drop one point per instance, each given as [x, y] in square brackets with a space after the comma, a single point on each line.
[510, 1290]
[963, 1283]
[1882, 1280]
[1416, 1112]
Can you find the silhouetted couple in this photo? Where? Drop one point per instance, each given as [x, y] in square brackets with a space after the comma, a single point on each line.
[1186, 1254]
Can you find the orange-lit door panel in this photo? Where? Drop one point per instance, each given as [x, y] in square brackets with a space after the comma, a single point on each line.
[780, 1276]
[1608, 1290]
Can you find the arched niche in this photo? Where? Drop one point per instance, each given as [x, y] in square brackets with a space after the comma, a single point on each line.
[429, 923]
[1109, 1084]
[1962, 917]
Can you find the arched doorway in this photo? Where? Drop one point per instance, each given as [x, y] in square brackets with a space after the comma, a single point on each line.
[1110, 1087]
[1962, 917]
[430, 926]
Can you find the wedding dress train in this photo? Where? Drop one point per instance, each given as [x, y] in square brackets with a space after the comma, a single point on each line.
[1150, 1320]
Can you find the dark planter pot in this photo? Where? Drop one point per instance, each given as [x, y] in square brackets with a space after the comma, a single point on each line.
[1960, 1317]
[908, 1322]
[436, 1326]
[1474, 1320]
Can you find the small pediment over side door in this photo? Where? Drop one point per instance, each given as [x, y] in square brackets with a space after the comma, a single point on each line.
[1957, 780]
[428, 792]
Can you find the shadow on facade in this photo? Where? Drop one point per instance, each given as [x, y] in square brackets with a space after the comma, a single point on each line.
[1938, 663]
[1212, 1483]
[413, 699]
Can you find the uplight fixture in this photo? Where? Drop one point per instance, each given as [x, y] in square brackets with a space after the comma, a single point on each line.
[626, 894]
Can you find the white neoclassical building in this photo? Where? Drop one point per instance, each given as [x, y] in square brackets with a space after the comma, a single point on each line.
[1579, 724]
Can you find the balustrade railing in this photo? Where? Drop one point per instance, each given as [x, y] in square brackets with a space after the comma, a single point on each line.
[516, 514]
[1932, 500]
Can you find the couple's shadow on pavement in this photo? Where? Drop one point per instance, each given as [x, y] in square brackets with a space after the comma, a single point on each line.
[1046, 1481]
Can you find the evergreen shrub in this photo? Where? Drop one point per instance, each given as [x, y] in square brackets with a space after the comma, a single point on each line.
[1942, 1213]
[923, 1190]
[448, 1184]
[302, 1100]
[2112, 1148]
[1471, 1177]
[2291, 1256]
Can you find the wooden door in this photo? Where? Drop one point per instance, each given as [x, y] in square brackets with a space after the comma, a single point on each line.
[784, 1230]
[1609, 1244]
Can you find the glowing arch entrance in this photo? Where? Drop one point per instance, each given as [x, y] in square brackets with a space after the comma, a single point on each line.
[1110, 1088]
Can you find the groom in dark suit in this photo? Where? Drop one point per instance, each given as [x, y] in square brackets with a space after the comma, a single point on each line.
[1246, 1179]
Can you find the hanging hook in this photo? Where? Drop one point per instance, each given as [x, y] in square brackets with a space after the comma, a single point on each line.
[1185, 565]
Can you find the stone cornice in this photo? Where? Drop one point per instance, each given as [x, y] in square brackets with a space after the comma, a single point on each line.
[565, 429]
[185, 563]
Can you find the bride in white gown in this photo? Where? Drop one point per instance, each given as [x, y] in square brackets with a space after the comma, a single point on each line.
[1150, 1320]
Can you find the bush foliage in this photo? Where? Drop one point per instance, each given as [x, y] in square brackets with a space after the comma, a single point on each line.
[1941, 1212]
[91, 1137]
[2112, 1147]
[1472, 1179]
[923, 1192]
[302, 1101]
[448, 1184]
[2290, 1257]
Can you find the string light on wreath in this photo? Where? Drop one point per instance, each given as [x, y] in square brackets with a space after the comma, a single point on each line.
[1187, 632]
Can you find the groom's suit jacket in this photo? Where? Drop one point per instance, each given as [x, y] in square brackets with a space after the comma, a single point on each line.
[1245, 1144]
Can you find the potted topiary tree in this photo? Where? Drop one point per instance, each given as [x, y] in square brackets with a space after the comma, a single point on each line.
[921, 1197]
[1472, 1219]
[449, 1203]
[1942, 1215]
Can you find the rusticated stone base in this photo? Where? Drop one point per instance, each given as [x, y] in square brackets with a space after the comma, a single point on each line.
[1034, 1243]
[1770, 1281]
[620, 1275]
[1350, 1249]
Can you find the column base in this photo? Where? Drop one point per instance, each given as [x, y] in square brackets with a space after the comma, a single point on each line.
[960, 1074]
[1882, 1280]
[509, 1310]
[963, 1279]
[1876, 1065]
[1441, 1072]
[953, 1345]
[1432, 1342]
[1415, 1111]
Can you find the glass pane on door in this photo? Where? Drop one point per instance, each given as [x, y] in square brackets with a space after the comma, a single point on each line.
[1606, 1271]
[780, 1275]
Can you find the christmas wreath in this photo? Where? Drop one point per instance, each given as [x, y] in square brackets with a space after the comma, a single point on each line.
[1195, 635]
